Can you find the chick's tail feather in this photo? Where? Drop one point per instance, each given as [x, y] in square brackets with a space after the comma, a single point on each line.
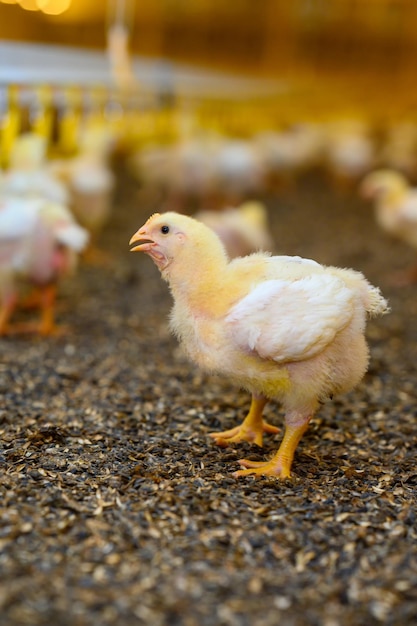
[376, 304]
[373, 301]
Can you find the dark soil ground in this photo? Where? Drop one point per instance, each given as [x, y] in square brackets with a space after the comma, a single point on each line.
[117, 508]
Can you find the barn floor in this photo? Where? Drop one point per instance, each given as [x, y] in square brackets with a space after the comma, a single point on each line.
[117, 508]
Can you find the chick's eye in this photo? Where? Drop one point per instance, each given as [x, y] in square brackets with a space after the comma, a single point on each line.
[164, 230]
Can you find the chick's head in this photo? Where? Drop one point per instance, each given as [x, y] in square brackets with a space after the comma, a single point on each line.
[383, 184]
[172, 237]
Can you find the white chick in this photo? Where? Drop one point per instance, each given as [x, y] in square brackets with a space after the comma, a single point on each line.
[39, 243]
[91, 184]
[28, 175]
[151, 165]
[191, 171]
[239, 169]
[350, 152]
[288, 153]
[89, 179]
[183, 174]
[395, 209]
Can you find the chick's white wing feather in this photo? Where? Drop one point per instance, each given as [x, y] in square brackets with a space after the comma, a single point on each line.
[17, 217]
[17, 222]
[291, 320]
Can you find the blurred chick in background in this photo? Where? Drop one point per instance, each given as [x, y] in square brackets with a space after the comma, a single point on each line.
[39, 244]
[28, 175]
[239, 170]
[191, 174]
[289, 153]
[284, 328]
[350, 153]
[243, 229]
[204, 172]
[180, 176]
[90, 182]
[395, 205]
[399, 150]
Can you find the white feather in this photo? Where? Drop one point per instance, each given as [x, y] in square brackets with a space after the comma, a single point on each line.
[33, 184]
[17, 217]
[291, 320]
[72, 236]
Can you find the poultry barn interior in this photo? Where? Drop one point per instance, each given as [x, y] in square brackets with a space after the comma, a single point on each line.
[289, 127]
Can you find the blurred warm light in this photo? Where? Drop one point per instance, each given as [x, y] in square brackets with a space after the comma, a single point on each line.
[53, 7]
[29, 5]
[9, 1]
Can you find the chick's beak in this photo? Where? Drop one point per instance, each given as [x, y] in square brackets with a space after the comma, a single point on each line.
[146, 243]
[143, 240]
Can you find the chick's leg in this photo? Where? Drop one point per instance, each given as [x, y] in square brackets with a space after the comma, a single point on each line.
[48, 297]
[31, 301]
[6, 311]
[280, 464]
[251, 429]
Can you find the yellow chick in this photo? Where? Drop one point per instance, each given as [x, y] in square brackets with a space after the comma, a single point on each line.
[399, 151]
[284, 328]
[395, 208]
[242, 229]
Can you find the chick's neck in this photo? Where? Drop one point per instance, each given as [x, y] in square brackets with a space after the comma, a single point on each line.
[200, 281]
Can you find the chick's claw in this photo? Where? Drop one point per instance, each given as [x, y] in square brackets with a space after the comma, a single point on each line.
[243, 433]
[278, 469]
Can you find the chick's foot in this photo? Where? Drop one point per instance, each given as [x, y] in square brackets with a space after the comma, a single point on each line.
[251, 429]
[274, 467]
[280, 465]
[244, 432]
